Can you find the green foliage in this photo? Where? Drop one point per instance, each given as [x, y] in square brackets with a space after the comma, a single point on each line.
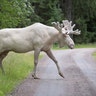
[54, 15]
[17, 67]
[15, 13]
[84, 16]
[20, 13]
[7, 15]
[48, 10]
[83, 27]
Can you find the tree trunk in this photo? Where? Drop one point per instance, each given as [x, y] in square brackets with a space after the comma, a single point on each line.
[68, 9]
[66, 6]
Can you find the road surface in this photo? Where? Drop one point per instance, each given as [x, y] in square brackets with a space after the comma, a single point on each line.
[78, 67]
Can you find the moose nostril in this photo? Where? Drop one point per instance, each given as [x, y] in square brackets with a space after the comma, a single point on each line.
[72, 46]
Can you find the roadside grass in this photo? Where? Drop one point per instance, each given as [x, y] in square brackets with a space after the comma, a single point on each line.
[94, 54]
[90, 45]
[17, 67]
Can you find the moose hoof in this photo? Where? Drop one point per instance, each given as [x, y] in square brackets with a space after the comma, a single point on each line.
[35, 77]
[61, 75]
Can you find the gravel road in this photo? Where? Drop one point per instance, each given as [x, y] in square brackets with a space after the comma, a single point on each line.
[78, 67]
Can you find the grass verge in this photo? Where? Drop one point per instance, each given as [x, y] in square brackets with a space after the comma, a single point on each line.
[90, 45]
[94, 54]
[17, 67]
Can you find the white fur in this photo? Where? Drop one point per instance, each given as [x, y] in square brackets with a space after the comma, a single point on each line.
[36, 36]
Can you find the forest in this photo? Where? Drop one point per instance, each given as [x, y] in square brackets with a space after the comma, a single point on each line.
[21, 13]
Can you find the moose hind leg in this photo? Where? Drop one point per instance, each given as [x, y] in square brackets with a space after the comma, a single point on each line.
[49, 53]
[2, 56]
[36, 55]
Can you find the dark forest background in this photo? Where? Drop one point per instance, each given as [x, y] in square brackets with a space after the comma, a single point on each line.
[21, 13]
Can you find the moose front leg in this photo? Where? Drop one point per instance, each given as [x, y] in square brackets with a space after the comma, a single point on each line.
[49, 53]
[36, 55]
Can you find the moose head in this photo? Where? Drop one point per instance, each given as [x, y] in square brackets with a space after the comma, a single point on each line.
[66, 28]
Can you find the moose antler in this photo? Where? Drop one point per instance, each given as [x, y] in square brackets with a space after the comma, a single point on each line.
[68, 26]
[56, 25]
[76, 32]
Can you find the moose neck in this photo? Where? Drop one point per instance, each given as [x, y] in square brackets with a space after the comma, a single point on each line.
[53, 39]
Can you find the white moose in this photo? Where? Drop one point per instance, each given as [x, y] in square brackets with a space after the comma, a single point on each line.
[37, 37]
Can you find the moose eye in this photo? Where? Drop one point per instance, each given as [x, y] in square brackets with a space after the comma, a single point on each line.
[66, 33]
[65, 28]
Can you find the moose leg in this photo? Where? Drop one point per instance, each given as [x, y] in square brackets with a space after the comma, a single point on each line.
[49, 53]
[36, 55]
[2, 56]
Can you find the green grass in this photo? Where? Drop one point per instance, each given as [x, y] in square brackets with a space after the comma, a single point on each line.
[94, 54]
[17, 67]
[90, 45]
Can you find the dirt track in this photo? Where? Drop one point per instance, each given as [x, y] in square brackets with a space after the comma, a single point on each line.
[79, 69]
